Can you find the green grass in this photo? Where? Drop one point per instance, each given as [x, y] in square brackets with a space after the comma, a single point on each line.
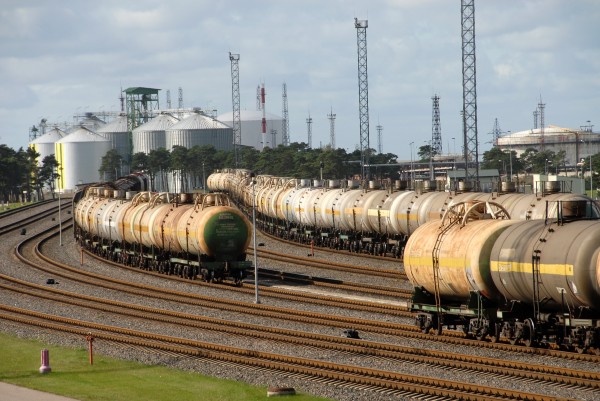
[115, 380]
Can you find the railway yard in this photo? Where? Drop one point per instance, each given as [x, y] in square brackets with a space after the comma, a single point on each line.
[299, 335]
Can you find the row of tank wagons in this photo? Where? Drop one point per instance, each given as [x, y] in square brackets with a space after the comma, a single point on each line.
[536, 281]
[199, 235]
[372, 221]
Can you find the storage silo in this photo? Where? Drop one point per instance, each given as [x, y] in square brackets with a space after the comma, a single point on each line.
[198, 129]
[251, 124]
[79, 156]
[151, 135]
[116, 132]
[89, 121]
[44, 144]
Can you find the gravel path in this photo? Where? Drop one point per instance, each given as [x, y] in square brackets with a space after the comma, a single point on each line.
[69, 253]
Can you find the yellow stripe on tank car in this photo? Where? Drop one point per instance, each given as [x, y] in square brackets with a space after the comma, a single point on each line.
[378, 212]
[333, 212]
[404, 216]
[525, 267]
[356, 210]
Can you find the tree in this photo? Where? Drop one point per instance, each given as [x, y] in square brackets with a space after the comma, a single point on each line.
[139, 162]
[111, 163]
[48, 173]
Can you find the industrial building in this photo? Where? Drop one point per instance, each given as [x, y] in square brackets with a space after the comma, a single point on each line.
[152, 135]
[251, 123]
[116, 132]
[576, 143]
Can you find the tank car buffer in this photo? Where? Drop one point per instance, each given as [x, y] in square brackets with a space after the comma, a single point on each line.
[532, 282]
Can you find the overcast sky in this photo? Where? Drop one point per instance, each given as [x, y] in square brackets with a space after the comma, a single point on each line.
[62, 57]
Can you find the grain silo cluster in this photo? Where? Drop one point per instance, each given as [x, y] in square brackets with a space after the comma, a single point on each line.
[141, 126]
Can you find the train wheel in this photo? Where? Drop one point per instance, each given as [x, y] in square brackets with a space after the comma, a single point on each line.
[482, 334]
[529, 333]
[495, 336]
[581, 350]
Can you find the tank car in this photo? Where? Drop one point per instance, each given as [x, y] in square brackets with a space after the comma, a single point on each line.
[369, 220]
[530, 281]
[199, 235]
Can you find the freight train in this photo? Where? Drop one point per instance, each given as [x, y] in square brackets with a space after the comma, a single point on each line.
[530, 281]
[190, 235]
[503, 265]
[367, 220]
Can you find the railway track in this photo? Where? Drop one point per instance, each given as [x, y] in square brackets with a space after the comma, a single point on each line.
[344, 374]
[387, 382]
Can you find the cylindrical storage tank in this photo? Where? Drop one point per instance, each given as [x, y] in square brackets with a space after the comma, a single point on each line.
[117, 133]
[79, 155]
[398, 204]
[429, 185]
[305, 182]
[369, 207]
[400, 185]
[352, 184]
[198, 130]
[220, 232]
[333, 184]
[350, 218]
[464, 186]
[151, 135]
[507, 186]
[533, 207]
[329, 216]
[373, 185]
[112, 227]
[44, 145]
[569, 263]
[310, 206]
[551, 186]
[163, 227]
[464, 258]
[317, 183]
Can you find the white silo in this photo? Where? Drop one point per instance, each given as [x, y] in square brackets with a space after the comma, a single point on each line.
[44, 145]
[116, 132]
[151, 135]
[199, 129]
[251, 123]
[79, 156]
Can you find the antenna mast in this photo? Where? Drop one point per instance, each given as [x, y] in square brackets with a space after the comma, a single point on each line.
[331, 117]
[285, 126]
[309, 130]
[436, 131]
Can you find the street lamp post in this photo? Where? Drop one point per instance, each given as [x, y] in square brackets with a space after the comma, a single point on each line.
[412, 170]
[256, 299]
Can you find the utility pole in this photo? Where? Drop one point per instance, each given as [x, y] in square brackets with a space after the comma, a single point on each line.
[379, 138]
[436, 129]
[235, 98]
[363, 95]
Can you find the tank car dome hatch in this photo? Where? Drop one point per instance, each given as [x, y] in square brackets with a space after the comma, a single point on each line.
[117, 133]
[198, 129]
[251, 122]
[79, 156]
[151, 135]
[44, 144]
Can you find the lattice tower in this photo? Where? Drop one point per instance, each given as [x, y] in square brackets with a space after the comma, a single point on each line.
[331, 117]
[235, 100]
[363, 95]
[436, 128]
[471, 153]
[285, 125]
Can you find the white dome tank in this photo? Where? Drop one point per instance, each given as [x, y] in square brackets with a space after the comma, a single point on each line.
[116, 132]
[79, 156]
[197, 130]
[151, 135]
[44, 145]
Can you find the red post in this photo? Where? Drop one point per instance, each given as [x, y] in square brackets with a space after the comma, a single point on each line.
[90, 340]
[312, 247]
[45, 368]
